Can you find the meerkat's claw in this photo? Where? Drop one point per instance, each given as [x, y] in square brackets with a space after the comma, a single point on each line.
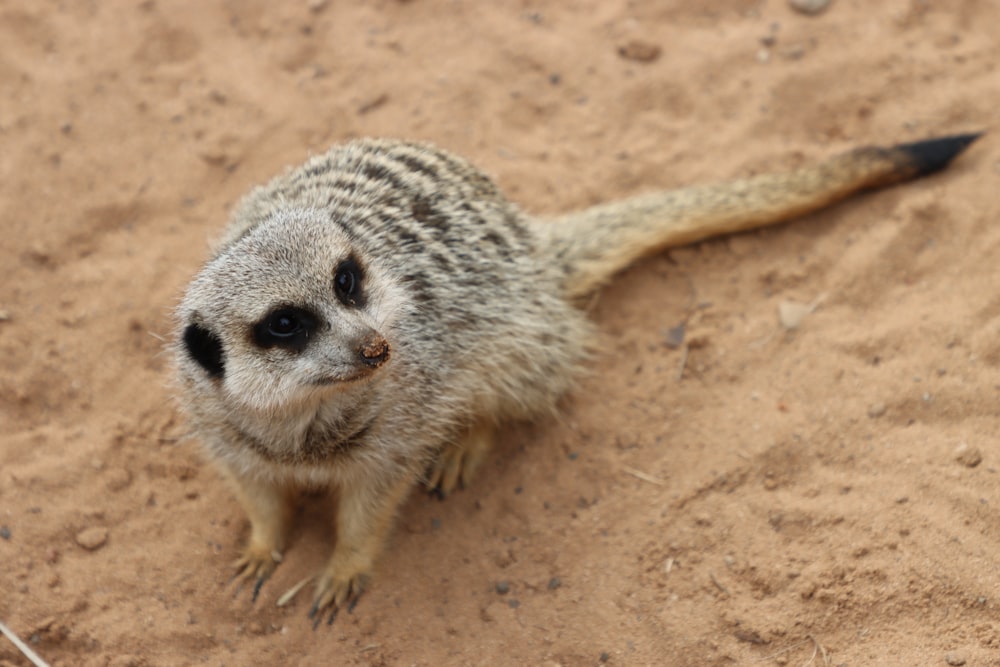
[446, 473]
[458, 462]
[256, 588]
[255, 567]
[334, 593]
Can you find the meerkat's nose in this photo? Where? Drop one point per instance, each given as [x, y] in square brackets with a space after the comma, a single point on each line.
[374, 351]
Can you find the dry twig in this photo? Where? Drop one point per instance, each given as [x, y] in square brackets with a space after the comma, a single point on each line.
[22, 647]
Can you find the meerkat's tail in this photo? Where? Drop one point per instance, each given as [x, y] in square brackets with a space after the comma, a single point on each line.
[594, 244]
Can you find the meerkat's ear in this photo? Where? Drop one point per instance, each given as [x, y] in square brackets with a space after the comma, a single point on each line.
[206, 349]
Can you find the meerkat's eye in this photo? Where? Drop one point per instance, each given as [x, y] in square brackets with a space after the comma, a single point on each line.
[286, 327]
[347, 282]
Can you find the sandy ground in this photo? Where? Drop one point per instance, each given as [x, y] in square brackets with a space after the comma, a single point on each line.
[820, 496]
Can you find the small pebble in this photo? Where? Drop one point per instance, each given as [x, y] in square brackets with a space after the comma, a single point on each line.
[876, 410]
[92, 538]
[117, 479]
[674, 337]
[968, 456]
[554, 583]
[791, 313]
[810, 7]
[503, 587]
[605, 656]
[5, 532]
[955, 658]
[513, 604]
[643, 52]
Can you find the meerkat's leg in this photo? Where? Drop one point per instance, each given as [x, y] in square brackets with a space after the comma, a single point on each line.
[269, 507]
[458, 461]
[365, 513]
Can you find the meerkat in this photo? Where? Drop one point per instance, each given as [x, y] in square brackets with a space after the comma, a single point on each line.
[370, 318]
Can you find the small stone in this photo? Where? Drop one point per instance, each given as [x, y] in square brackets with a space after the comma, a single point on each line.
[93, 538]
[5, 532]
[554, 583]
[639, 51]
[674, 337]
[791, 313]
[4, 314]
[955, 658]
[117, 479]
[968, 456]
[503, 587]
[810, 7]
[876, 410]
[605, 656]
[513, 604]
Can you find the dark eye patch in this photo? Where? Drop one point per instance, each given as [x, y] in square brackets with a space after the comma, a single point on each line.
[287, 327]
[347, 283]
[206, 349]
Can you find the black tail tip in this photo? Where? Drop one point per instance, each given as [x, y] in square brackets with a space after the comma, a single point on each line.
[932, 155]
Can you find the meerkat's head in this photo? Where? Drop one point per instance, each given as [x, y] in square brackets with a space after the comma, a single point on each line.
[288, 313]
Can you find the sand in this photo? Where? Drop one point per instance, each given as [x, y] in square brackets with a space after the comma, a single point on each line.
[757, 495]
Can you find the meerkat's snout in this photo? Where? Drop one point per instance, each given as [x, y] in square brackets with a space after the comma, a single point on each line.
[374, 350]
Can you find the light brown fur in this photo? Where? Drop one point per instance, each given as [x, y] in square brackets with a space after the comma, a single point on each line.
[377, 312]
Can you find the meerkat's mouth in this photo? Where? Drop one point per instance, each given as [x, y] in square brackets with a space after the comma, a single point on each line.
[359, 375]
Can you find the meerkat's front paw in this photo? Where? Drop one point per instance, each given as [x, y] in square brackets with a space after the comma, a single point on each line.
[458, 462]
[257, 564]
[339, 586]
